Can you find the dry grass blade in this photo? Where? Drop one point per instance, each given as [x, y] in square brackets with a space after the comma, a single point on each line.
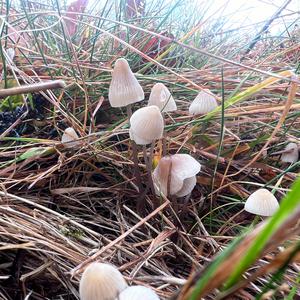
[62, 207]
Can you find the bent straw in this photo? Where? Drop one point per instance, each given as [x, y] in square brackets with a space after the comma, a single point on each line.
[31, 88]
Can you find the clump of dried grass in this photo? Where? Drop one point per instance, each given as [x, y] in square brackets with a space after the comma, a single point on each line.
[61, 208]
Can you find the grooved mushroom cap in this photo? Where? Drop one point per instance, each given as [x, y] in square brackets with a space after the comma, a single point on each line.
[204, 103]
[262, 203]
[179, 171]
[69, 138]
[162, 98]
[137, 292]
[292, 155]
[101, 282]
[124, 88]
[146, 125]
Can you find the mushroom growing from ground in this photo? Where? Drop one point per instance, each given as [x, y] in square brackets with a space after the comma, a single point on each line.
[262, 203]
[291, 153]
[162, 98]
[146, 126]
[69, 138]
[124, 90]
[137, 292]
[101, 281]
[204, 103]
[175, 175]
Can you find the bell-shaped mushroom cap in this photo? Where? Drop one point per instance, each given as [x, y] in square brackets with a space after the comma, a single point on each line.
[101, 282]
[146, 125]
[179, 171]
[292, 154]
[262, 203]
[137, 292]
[162, 98]
[124, 88]
[69, 138]
[204, 103]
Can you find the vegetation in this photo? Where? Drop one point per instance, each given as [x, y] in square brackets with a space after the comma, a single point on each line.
[63, 207]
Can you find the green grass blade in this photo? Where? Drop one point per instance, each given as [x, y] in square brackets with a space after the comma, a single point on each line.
[288, 205]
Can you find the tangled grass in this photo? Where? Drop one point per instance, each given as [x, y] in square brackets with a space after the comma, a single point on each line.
[60, 208]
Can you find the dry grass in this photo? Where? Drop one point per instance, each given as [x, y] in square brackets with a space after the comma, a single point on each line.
[62, 208]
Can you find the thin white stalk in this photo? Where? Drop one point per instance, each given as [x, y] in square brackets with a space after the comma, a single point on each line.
[137, 173]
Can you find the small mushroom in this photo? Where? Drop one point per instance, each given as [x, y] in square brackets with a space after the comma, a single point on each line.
[175, 175]
[69, 138]
[146, 125]
[262, 203]
[124, 88]
[162, 98]
[290, 154]
[204, 103]
[101, 281]
[137, 292]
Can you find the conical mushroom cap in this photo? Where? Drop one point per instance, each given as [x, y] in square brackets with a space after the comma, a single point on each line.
[137, 292]
[262, 203]
[162, 98]
[180, 170]
[69, 138]
[293, 155]
[146, 125]
[204, 103]
[101, 282]
[124, 88]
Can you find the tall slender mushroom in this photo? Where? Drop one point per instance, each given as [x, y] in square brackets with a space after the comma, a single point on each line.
[124, 90]
[146, 126]
[161, 97]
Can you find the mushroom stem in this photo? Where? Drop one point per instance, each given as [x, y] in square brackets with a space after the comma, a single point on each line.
[137, 173]
[148, 162]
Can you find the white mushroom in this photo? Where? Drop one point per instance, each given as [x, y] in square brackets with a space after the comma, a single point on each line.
[69, 138]
[146, 125]
[162, 98]
[137, 292]
[124, 88]
[262, 203]
[101, 282]
[176, 173]
[291, 153]
[204, 103]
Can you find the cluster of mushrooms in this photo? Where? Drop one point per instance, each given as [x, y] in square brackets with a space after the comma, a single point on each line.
[102, 281]
[174, 175]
